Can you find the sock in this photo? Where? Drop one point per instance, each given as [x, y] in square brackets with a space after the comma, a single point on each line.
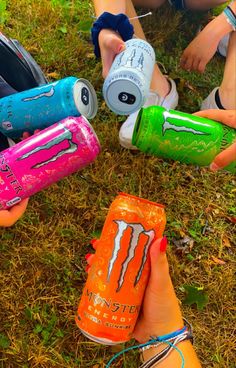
[218, 101]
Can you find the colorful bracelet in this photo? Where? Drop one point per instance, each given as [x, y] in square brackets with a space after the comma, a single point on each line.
[230, 16]
[171, 340]
[119, 23]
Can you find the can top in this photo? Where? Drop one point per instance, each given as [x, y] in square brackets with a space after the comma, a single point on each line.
[85, 98]
[131, 196]
[122, 95]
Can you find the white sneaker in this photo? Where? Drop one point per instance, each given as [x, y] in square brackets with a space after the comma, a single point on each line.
[153, 99]
[210, 101]
[223, 45]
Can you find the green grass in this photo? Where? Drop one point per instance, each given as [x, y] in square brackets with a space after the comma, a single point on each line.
[42, 256]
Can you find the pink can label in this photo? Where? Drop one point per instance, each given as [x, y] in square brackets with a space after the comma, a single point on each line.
[45, 158]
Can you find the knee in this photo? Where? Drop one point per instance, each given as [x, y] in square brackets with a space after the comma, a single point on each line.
[153, 4]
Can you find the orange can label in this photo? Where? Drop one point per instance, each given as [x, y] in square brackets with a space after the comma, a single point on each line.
[112, 297]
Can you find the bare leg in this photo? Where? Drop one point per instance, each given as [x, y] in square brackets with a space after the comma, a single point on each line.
[149, 3]
[159, 83]
[227, 90]
[203, 4]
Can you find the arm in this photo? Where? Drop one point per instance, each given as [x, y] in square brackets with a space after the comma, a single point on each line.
[203, 47]
[110, 42]
[161, 312]
[114, 6]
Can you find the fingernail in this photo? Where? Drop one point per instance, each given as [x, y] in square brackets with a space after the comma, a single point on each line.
[87, 268]
[163, 244]
[87, 256]
[214, 167]
[93, 241]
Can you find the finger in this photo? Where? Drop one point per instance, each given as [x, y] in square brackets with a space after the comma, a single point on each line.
[113, 47]
[25, 135]
[159, 263]
[227, 117]
[224, 158]
[17, 211]
[186, 62]
[89, 258]
[201, 66]
[87, 268]
[94, 243]
[36, 131]
[195, 65]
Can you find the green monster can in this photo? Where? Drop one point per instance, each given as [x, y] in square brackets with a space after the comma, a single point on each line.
[183, 137]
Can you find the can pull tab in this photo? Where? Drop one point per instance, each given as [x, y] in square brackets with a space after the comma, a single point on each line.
[85, 96]
[127, 98]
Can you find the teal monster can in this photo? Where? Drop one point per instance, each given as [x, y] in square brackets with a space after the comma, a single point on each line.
[42, 106]
[183, 137]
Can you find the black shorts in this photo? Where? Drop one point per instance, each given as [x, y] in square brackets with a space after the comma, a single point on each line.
[178, 4]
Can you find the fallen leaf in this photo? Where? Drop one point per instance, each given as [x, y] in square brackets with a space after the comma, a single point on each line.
[218, 261]
[195, 295]
[53, 75]
[226, 242]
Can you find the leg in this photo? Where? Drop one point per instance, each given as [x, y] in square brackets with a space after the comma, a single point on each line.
[149, 3]
[203, 4]
[159, 82]
[227, 90]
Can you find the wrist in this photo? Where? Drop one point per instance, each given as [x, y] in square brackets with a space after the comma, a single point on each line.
[220, 27]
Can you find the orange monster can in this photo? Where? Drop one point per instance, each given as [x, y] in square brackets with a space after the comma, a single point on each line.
[112, 296]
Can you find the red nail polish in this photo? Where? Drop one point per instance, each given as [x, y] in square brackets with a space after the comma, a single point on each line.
[87, 256]
[163, 244]
[87, 268]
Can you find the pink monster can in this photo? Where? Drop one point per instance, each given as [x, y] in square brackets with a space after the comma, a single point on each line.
[45, 158]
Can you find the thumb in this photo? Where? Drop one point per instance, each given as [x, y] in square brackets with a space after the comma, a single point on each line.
[112, 48]
[159, 264]
[224, 158]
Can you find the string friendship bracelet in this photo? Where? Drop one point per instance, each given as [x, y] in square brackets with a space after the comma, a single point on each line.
[171, 340]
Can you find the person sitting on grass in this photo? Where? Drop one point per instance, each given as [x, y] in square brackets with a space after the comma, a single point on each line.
[162, 90]
[204, 46]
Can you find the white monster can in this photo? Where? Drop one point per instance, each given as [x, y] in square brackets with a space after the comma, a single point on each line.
[127, 85]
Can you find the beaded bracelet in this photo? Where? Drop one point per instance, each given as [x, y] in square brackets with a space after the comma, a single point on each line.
[230, 16]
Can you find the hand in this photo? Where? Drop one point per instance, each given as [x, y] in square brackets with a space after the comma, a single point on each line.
[227, 117]
[9, 217]
[160, 313]
[200, 51]
[26, 135]
[160, 310]
[111, 44]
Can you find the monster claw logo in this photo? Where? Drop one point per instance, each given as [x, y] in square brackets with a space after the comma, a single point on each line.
[66, 135]
[50, 93]
[136, 231]
[140, 62]
[130, 59]
[179, 128]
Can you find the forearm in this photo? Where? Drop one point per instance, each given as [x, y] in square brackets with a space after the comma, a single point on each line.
[220, 26]
[174, 359]
[114, 6]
